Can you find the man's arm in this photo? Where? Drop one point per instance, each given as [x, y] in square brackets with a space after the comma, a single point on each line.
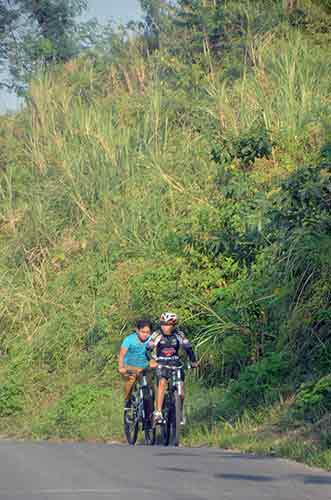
[187, 346]
[121, 368]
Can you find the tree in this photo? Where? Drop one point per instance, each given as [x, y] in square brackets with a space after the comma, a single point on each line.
[8, 17]
[157, 21]
[36, 33]
[204, 19]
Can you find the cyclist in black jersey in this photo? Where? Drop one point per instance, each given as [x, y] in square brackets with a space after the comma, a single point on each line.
[164, 346]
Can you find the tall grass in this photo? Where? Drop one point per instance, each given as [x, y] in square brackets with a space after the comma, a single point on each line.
[111, 157]
[110, 160]
[287, 88]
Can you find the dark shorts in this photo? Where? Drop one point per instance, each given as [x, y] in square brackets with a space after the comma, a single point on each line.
[164, 372]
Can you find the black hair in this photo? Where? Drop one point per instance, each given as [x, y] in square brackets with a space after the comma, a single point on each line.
[141, 323]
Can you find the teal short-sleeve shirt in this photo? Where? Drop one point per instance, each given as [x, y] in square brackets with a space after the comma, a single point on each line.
[136, 351]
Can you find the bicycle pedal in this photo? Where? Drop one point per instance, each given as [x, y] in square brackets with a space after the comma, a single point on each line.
[159, 422]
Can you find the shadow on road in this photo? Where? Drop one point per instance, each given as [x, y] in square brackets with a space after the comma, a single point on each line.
[306, 479]
[176, 454]
[244, 477]
[178, 469]
[242, 456]
[316, 479]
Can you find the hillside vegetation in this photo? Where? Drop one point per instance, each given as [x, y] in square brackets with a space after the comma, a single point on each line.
[185, 166]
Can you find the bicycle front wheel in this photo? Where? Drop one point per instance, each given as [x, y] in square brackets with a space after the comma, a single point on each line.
[150, 434]
[147, 417]
[163, 437]
[175, 419]
[131, 423]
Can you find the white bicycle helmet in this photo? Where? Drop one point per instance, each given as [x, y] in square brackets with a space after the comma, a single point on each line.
[168, 318]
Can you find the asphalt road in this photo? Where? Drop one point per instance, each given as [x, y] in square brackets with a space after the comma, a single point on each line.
[83, 471]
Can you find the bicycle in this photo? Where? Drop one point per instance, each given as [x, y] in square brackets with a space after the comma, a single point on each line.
[139, 411]
[172, 409]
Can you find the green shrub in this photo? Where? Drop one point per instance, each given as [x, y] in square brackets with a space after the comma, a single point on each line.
[298, 18]
[261, 383]
[82, 406]
[314, 399]
[52, 345]
[325, 435]
[304, 199]
[246, 147]
[101, 356]
[11, 399]
[95, 334]
[255, 143]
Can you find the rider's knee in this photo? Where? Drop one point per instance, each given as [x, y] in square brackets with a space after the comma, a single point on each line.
[163, 382]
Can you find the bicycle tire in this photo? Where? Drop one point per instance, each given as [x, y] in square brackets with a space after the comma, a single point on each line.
[131, 426]
[165, 426]
[147, 422]
[175, 420]
[165, 433]
[149, 436]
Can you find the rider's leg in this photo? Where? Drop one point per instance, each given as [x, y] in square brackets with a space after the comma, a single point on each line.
[162, 377]
[160, 393]
[129, 383]
[157, 415]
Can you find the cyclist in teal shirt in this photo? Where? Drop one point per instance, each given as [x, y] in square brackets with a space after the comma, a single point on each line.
[133, 356]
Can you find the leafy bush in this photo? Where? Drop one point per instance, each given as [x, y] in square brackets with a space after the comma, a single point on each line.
[246, 147]
[101, 356]
[255, 143]
[81, 406]
[325, 155]
[298, 18]
[261, 383]
[176, 284]
[11, 399]
[326, 4]
[305, 199]
[314, 399]
[95, 334]
[51, 347]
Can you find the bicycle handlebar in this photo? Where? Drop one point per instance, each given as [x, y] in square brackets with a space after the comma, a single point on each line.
[148, 370]
[188, 367]
[172, 367]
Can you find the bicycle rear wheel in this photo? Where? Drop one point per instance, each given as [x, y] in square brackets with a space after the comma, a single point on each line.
[131, 423]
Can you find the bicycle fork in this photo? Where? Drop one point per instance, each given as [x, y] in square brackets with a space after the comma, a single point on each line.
[179, 383]
[180, 391]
